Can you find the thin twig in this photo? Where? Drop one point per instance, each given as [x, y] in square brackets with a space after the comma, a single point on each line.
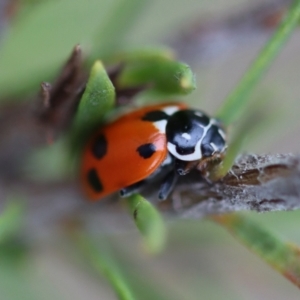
[260, 183]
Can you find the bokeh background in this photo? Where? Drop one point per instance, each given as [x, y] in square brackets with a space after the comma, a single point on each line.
[201, 261]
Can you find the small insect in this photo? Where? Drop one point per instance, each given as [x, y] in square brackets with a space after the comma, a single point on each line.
[159, 141]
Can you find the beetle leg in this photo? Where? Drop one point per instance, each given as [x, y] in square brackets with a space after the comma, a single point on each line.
[184, 167]
[131, 189]
[167, 185]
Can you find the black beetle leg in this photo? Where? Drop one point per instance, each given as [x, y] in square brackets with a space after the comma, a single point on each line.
[167, 185]
[131, 189]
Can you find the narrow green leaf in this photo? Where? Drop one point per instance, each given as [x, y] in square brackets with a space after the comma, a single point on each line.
[12, 249]
[143, 55]
[157, 70]
[10, 220]
[149, 222]
[256, 122]
[232, 152]
[19, 283]
[39, 40]
[49, 163]
[238, 99]
[110, 35]
[284, 257]
[103, 263]
[97, 100]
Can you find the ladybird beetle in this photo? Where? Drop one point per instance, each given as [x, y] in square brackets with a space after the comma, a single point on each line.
[158, 141]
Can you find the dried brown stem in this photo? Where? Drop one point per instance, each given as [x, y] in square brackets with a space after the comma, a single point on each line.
[256, 182]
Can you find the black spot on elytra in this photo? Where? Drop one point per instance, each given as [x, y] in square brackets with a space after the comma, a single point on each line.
[156, 115]
[146, 150]
[99, 147]
[94, 181]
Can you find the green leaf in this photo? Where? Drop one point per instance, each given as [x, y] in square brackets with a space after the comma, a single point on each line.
[156, 69]
[259, 118]
[10, 220]
[149, 222]
[284, 257]
[101, 260]
[42, 34]
[17, 283]
[97, 100]
[110, 35]
[36, 46]
[148, 55]
[12, 249]
[238, 99]
[49, 163]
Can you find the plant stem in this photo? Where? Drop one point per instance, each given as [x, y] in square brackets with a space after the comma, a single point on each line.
[283, 257]
[103, 263]
[237, 99]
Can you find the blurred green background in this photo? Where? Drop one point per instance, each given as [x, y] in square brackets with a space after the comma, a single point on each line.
[201, 260]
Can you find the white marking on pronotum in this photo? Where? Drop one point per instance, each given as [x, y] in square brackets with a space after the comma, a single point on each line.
[161, 126]
[214, 147]
[189, 157]
[199, 114]
[221, 133]
[186, 136]
[197, 154]
[170, 110]
[202, 126]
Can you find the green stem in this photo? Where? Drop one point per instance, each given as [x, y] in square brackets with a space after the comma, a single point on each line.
[283, 257]
[10, 220]
[149, 222]
[111, 34]
[237, 99]
[103, 263]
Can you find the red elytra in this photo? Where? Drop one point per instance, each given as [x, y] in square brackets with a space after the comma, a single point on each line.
[124, 152]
